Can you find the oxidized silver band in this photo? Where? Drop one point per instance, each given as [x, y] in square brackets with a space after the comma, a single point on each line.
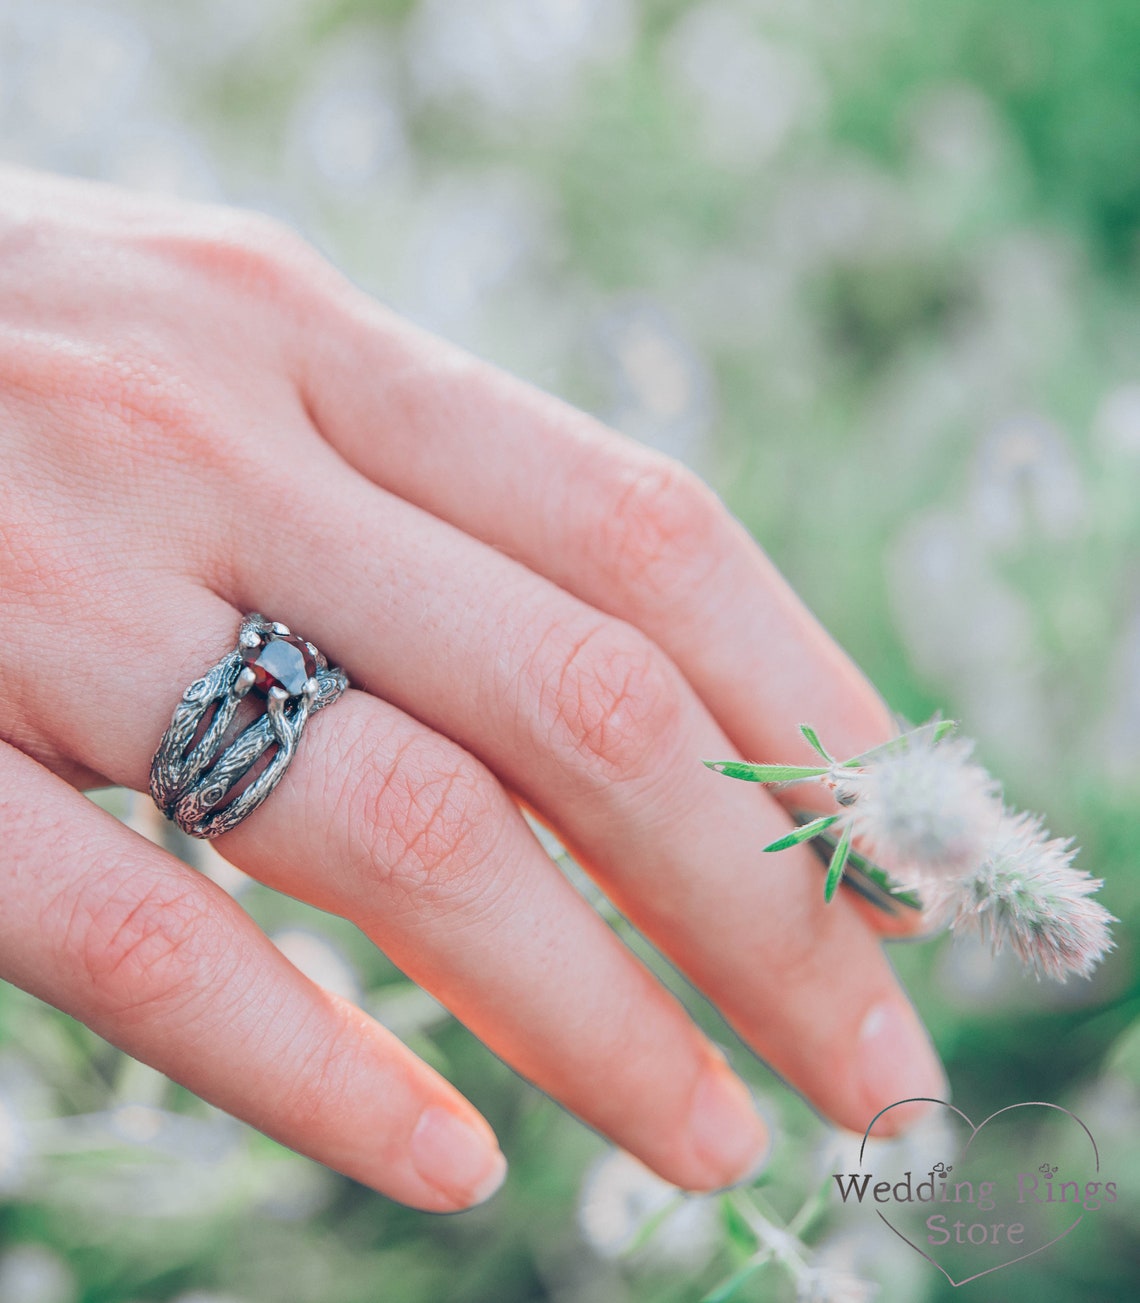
[196, 767]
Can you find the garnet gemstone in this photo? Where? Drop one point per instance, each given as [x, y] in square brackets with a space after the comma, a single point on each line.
[282, 662]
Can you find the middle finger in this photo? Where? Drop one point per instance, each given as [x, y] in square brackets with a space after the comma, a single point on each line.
[594, 727]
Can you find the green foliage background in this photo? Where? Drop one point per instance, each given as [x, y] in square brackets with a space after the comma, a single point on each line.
[871, 267]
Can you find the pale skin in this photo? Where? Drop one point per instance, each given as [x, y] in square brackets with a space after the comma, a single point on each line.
[200, 418]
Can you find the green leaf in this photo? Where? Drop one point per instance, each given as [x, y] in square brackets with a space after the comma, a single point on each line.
[838, 863]
[862, 874]
[813, 1206]
[726, 1289]
[877, 886]
[935, 730]
[813, 738]
[653, 1223]
[805, 832]
[740, 1235]
[763, 773]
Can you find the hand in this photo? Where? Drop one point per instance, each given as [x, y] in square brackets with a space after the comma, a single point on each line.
[199, 418]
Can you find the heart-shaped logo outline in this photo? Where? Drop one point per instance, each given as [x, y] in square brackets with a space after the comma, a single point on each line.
[1034, 1103]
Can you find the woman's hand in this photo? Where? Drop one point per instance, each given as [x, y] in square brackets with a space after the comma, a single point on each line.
[199, 418]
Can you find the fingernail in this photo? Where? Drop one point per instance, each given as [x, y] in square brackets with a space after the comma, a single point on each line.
[455, 1157]
[725, 1130]
[895, 1062]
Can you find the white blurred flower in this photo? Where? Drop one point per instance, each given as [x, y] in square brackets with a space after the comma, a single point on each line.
[663, 389]
[15, 1147]
[1027, 895]
[346, 129]
[1110, 1105]
[749, 93]
[840, 209]
[138, 1124]
[1026, 484]
[932, 1136]
[25, 1100]
[1119, 730]
[155, 1132]
[407, 1010]
[298, 1193]
[33, 1273]
[214, 31]
[81, 70]
[823, 1285]
[1026, 316]
[207, 1296]
[1116, 426]
[319, 960]
[937, 568]
[620, 1195]
[955, 130]
[513, 55]
[853, 1255]
[475, 238]
[970, 977]
[228, 876]
[350, 133]
[161, 160]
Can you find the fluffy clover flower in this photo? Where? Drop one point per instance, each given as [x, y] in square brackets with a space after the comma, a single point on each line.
[625, 1207]
[1026, 894]
[936, 819]
[921, 807]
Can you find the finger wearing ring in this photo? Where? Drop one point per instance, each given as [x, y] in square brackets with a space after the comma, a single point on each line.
[206, 780]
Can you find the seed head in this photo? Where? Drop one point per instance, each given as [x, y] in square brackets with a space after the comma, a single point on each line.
[923, 808]
[1027, 895]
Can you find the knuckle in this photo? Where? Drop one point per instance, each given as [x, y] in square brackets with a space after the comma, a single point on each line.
[248, 252]
[431, 819]
[664, 528]
[148, 945]
[141, 395]
[136, 394]
[119, 385]
[608, 697]
[148, 411]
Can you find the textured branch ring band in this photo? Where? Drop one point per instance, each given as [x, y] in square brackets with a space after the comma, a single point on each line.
[208, 781]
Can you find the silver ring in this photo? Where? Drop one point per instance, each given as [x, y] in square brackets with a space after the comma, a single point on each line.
[197, 766]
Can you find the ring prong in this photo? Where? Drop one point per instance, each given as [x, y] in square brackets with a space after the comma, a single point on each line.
[245, 680]
[249, 638]
[281, 630]
[311, 689]
[278, 720]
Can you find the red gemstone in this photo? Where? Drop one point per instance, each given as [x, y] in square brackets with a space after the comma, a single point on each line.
[283, 662]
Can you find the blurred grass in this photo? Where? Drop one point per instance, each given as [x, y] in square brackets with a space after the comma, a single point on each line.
[931, 236]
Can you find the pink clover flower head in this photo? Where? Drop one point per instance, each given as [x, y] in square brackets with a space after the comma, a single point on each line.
[1026, 894]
